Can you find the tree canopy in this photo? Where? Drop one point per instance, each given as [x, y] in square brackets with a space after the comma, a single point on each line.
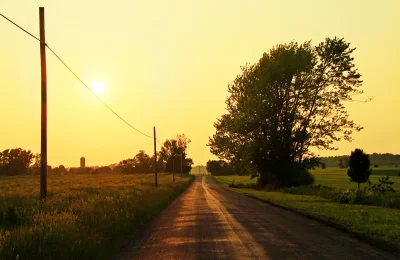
[359, 167]
[175, 150]
[288, 102]
[15, 161]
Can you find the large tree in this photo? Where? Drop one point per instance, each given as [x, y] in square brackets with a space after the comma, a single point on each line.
[288, 102]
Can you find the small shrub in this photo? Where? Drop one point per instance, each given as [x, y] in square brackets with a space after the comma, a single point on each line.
[384, 185]
[345, 197]
[232, 185]
[9, 217]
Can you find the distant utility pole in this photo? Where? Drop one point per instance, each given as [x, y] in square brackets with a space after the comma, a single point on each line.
[199, 169]
[173, 168]
[181, 166]
[155, 157]
[43, 159]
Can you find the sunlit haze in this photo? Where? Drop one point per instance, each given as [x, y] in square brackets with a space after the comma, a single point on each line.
[168, 63]
[98, 87]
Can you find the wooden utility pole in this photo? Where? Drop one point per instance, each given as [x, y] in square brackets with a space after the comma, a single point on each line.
[43, 151]
[181, 166]
[173, 168]
[155, 157]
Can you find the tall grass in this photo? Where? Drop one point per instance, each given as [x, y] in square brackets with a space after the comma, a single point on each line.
[84, 217]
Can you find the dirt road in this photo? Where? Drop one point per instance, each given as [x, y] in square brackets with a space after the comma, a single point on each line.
[209, 222]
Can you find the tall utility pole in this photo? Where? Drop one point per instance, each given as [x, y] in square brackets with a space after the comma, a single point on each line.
[43, 152]
[155, 157]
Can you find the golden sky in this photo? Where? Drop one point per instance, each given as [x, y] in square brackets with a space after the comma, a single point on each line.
[168, 63]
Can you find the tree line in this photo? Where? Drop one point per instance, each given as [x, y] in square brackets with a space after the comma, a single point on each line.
[288, 102]
[172, 156]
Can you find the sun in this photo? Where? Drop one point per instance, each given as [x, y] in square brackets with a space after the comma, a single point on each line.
[98, 87]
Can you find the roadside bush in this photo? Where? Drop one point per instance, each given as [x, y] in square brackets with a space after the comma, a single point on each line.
[384, 185]
[344, 197]
[363, 197]
[289, 176]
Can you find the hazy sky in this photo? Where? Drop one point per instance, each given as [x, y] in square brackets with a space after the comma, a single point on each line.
[168, 63]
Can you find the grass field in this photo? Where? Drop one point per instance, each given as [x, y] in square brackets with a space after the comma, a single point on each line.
[84, 217]
[335, 177]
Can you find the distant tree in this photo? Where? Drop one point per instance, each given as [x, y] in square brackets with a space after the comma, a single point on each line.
[376, 165]
[15, 161]
[341, 164]
[49, 169]
[143, 162]
[219, 168]
[171, 153]
[80, 170]
[35, 167]
[359, 170]
[62, 169]
[160, 163]
[127, 166]
[187, 165]
[213, 167]
[103, 169]
[323, 165]
[346, 163]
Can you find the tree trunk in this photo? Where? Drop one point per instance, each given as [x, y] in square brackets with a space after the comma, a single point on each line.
[358, 185]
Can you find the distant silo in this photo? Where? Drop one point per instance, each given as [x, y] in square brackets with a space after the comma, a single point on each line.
[82, 162]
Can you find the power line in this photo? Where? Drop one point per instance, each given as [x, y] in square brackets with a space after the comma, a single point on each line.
[91, 91]
[80, 80]
[21, 28]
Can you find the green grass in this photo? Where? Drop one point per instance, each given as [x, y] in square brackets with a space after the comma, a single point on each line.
[379, 223]
[337, 177]
[84, 217]
[226, 180]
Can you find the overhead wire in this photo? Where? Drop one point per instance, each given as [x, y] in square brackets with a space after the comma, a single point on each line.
[79, 79]
[91, 91]
[20, 27]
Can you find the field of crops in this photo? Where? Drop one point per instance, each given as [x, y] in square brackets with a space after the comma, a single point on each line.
[335, 177]
[84, 217]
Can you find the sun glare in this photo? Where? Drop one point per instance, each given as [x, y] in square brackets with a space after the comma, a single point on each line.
[98, 87]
